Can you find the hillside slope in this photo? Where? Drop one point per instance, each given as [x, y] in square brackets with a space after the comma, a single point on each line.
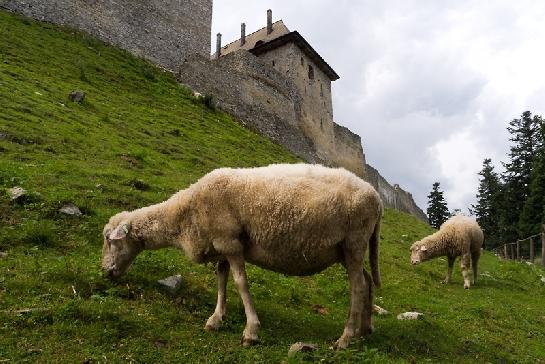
[137, 138]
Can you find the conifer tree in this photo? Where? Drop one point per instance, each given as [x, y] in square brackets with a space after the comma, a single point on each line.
[437, 207]
[487, 208]
[533, 212]
[526, 141]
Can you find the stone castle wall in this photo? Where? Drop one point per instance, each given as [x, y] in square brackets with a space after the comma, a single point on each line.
[393, 196]
[262, 97]
[163, 31]
[256, 94]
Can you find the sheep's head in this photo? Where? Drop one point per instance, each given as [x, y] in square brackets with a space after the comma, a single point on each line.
[120, 247]
[418, 253]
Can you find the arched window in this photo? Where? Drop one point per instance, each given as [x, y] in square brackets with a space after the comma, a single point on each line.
[310, 72]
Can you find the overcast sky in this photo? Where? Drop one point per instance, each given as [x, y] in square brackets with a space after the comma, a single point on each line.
[428, 85]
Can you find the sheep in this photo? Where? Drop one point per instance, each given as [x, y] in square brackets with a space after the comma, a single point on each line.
[458, 236]
[295, 219]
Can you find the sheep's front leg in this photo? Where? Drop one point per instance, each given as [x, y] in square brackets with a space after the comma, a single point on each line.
[214, 322]
[353, 261]
[449, 271]
[465, 263]
[249, 336]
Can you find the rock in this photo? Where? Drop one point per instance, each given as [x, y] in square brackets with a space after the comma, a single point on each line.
[76, 96]
[171, 285]
[379, 310]
[70, 209]
[409, 316]
[16, 193]
[3, 255]
[301, 348]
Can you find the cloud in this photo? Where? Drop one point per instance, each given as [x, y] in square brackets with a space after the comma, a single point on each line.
[429, 86]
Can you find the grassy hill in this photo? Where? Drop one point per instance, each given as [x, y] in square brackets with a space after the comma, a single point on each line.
[137, 138]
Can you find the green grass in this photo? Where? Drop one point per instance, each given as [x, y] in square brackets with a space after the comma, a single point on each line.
[137, 138]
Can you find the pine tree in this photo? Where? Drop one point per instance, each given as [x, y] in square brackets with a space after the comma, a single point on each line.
[437, 207]
[488, 204]
[526, 141]
[533, 212]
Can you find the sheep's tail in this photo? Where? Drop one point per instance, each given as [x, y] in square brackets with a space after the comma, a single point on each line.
[373, 250]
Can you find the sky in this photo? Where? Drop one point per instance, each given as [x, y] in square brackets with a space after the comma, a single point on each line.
[430, 86]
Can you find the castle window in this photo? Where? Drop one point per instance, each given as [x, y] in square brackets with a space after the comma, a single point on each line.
[302, 61]
[310, 72]
[273, 63]
[321, 90]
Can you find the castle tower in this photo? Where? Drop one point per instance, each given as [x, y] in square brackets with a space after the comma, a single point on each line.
[290, 54]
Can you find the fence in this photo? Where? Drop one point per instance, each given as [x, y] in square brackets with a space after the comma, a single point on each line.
[525, 249]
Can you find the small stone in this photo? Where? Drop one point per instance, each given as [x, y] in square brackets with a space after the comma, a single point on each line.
[301, 348]
[171, 285]
[70, 209]
[379, 310]
[409, 316]
[76, 96]
[16, 193]
[99, 186]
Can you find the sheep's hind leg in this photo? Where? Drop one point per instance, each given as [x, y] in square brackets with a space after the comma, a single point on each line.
[366, 321]
[474, 263]
[465, 263]
[214, 322]
[249, 336]
[353, 262]
[449, 271]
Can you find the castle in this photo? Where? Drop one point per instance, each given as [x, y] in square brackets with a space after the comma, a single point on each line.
[272, 80]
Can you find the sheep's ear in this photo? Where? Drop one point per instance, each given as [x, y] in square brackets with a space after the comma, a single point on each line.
[423, 248]
[119, 232]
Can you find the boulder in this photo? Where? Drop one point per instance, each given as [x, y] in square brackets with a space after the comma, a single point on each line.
[301, 348]
[171, 285]
[70, 209]
[76, 96]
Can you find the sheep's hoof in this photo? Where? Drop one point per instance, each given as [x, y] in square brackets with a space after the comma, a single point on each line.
[213, 323]
[342, 343]
[247, 342]
[466, 286]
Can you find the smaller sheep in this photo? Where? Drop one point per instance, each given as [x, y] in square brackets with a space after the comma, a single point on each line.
[458, 236]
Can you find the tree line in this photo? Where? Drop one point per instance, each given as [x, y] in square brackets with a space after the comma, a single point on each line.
[511, 204]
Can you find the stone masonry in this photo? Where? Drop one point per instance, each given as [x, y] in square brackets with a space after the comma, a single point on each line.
[163, 31]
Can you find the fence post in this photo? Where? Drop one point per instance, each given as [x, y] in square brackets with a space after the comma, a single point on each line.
[518, 249]
[505, 255]
[512, 251]
[532, 250]
[543, 247]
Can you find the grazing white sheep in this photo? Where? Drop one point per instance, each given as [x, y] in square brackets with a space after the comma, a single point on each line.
[458, 236]
[293, 219]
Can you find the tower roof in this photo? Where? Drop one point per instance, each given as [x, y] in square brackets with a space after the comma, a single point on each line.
[299, 41]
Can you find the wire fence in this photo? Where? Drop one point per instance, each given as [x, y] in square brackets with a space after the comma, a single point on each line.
[530, 249]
